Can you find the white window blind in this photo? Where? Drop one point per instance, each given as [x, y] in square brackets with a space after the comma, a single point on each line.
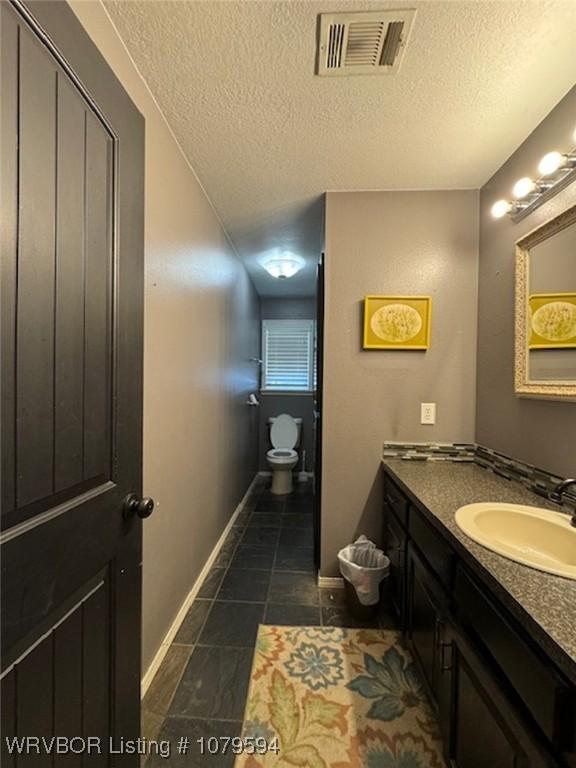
[288, 355]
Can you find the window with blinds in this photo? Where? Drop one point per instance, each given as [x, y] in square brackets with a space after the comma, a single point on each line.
[288, 355]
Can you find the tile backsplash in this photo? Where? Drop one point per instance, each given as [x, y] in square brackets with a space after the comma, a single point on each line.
[537, 480]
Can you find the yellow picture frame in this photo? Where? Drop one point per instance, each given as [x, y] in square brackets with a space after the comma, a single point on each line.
[536, 304]
[409, 321]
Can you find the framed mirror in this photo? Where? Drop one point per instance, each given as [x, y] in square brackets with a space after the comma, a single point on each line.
[545, 338]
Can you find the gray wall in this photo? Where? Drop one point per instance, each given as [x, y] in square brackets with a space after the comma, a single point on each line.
[537, 431]
[201, 328]
[392, 243]
[299, 406]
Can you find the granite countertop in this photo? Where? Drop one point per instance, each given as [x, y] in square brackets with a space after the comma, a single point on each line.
[545, 604]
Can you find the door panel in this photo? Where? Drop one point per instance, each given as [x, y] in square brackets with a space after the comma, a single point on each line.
[97, 303]
[479, 740]
[34, 347]
[72, 292]
[69, 335]
[63, 316]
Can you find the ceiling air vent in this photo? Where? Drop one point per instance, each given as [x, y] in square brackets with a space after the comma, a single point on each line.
[366, 43]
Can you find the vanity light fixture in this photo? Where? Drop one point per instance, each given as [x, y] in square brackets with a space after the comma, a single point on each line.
[523, 187]
[550, 163]
[501, 208]
[556, 170]
[283, 267]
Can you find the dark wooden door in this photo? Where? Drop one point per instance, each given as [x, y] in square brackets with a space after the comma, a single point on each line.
[72, 291]
[318, 411]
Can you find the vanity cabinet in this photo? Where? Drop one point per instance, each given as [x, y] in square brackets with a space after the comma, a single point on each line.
[500, 702]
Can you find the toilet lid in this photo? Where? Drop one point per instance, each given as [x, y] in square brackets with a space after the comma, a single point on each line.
[284, 432]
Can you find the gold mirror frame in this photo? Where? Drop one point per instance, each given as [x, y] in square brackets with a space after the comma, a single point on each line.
[546, 390]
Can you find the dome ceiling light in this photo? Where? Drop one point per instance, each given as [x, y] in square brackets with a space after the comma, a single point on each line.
[283, 267]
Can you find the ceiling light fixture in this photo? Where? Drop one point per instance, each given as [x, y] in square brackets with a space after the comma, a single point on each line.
[283, 267]
[556, 170]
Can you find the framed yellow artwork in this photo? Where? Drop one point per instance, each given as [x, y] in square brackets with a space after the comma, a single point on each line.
[552, 321]
[397, 322]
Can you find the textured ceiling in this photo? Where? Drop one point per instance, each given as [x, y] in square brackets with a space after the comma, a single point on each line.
[267, 137]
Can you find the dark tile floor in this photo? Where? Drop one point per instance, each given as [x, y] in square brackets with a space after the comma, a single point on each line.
[264, 574]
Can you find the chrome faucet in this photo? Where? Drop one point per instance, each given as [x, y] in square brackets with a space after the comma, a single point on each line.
[558, 493]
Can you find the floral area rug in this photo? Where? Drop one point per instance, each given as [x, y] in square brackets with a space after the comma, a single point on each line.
[324, 697]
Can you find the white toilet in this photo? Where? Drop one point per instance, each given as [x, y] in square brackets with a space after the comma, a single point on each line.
[282, 458]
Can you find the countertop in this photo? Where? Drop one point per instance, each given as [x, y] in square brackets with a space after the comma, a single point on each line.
[543, 603]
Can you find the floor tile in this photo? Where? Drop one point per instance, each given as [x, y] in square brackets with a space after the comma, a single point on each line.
[269, 500]
[243, 517]
[159, 694]
[232, 624]
[175, 728]
[296, 537]
[234, 535]
[295, 559]
[263, 537]
[150, 724]
[338, 616]
[226, 553]
[298, 588]
[212, 582]
[297, 520]
[265, 520]
[292, 615]
[194, 621]
[299, 506]
[253, 557]
[214, 684]
[331, 597]
[241, 584]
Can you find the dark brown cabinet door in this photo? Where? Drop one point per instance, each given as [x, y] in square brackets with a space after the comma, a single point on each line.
[72, 290]
[485, 729]
[424, 622]
[396, 550]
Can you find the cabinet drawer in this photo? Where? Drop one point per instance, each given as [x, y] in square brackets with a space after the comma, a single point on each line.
[435, 550]
[539, 686]
[397, 502]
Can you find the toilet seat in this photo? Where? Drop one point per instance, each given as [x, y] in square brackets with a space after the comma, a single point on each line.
[282, 455]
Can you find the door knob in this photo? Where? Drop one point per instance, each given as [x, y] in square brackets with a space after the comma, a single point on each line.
[136, 505]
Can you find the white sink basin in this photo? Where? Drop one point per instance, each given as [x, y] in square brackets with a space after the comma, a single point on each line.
[540, 538]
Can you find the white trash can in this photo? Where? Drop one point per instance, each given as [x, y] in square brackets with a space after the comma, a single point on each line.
[364, 568]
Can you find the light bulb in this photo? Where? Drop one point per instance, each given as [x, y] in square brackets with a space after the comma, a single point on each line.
[523, 187]
[550, 163]
[500, 208]
[283, 267]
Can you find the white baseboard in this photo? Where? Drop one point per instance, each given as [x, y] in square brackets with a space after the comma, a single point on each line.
[330, 582]
[185, 607]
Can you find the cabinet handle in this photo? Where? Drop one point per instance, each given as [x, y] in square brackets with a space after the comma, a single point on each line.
[443, 666]
[441, 645]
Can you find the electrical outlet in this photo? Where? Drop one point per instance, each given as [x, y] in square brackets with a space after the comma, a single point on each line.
[427, 413]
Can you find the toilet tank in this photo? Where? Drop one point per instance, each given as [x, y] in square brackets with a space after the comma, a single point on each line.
[298, 423]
